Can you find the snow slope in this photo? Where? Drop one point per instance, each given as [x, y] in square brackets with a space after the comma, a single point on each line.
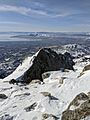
[21, 97]
[21, 69]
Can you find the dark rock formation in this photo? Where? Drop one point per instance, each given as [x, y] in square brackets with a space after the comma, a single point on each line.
[47, 94]
[6, 117]
[31, 107]
[68, 61]
[46, 116]
[13, 81]
[78, 109]
[3, 96]
[47, 60]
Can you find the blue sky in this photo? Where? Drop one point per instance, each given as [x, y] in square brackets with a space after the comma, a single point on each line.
[45, 15]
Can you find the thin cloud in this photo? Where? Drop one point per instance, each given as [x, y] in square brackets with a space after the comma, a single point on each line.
[59, 15]
[20, 10]
[29, 11]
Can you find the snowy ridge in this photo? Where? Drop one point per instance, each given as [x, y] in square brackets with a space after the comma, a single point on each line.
[21, 97]
[21, 69]
[74, 49]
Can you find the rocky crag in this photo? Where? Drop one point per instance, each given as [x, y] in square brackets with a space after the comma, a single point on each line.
[47, 60]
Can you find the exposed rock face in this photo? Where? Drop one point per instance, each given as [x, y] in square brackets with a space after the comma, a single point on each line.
[47, 60]
[68, 61]
[78, 109]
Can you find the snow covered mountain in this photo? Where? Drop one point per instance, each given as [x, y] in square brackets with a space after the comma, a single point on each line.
[76, 50]
[45, 100]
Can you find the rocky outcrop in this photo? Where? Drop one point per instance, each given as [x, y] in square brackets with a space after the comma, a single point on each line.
[46, 75]
[47, 94]
[13, 81]
[3, 96]
[78, 109]
[47, 60]
[46, 116]
[6, 117]
[31, 107]
[86, 68]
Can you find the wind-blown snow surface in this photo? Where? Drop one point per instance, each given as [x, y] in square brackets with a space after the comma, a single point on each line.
[20, 97]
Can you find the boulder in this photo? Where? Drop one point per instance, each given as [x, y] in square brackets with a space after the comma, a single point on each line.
[3, 96]
[45, 116]
[86, 68]
[47, 60]
[13, 81]
[46, 94]
[35, 82]
[46, 75]
[31, 107]
[61, 80]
